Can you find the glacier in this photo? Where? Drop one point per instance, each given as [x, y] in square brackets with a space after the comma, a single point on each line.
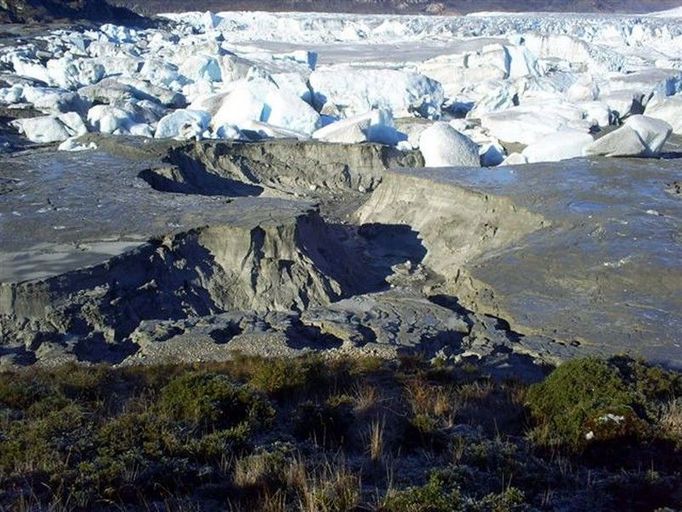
[541, 85]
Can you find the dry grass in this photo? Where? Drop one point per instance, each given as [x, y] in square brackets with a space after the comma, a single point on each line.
[376, 440]
[365, 398]
[671, 421]
[256, 470]
[328, 487]
[438, 402]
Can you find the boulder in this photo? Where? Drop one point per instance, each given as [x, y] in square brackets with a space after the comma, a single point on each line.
[201, 67]
[559, 146]
[48, 129]
[640, 136]
[259, 100]
[374, 126]
[668, 110]
[110, 119]
[183, 124]
[535, 120]
[358, 90]
[443, 146]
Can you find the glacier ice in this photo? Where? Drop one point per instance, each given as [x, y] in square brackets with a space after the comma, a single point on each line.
[545, 81]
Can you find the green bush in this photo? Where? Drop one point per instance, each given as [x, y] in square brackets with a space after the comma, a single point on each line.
[278, 376]
[215, 446]
[584, 399]
[40, 441]
[281, 377]
[20, 393]
[441, 494]
[434, 496]
[212, 401]
[327, 423]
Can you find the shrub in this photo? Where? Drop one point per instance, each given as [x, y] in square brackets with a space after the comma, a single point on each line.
[327, 423]
[279, 376]
[144, 433]
[261, 470]
[580, 396]
[77, 381]
[332, 488]
[434, 496]
[35, 443]
[210, 400]
[19, 393]
[217, 446]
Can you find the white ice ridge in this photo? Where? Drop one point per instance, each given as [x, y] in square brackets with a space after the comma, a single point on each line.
[538, 87]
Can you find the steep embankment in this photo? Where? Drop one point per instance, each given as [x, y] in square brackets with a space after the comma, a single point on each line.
[584, 251]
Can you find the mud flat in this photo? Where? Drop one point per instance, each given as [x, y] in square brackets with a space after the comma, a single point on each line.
[148, 251]
[584, 251]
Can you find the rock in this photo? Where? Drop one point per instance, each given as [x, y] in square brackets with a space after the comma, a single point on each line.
[294, 167]
[668, 110]
[183, 124]
[640, 136]
[534, 121]
[515, 159]
[109, 119]
[49, 129]
[560, 146]
[138, 226]
[69, 73]
[359, 90]
[25, 11]
[201, 67]
[443, 146]
[72, 144]
[374, 126]
[259, 100]
[491, 155]
[124, 89]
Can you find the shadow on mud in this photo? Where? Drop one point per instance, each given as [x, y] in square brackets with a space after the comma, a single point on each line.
[375, 249]
[198, 181]
[301, 336]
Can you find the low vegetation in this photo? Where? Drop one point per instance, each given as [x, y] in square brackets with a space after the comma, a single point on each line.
[340, 435]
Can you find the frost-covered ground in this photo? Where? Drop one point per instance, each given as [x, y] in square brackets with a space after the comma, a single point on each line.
[544, 86]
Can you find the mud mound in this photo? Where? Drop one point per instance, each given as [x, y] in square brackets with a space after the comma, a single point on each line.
[582, 251]
[295, 167]
[93, 247]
